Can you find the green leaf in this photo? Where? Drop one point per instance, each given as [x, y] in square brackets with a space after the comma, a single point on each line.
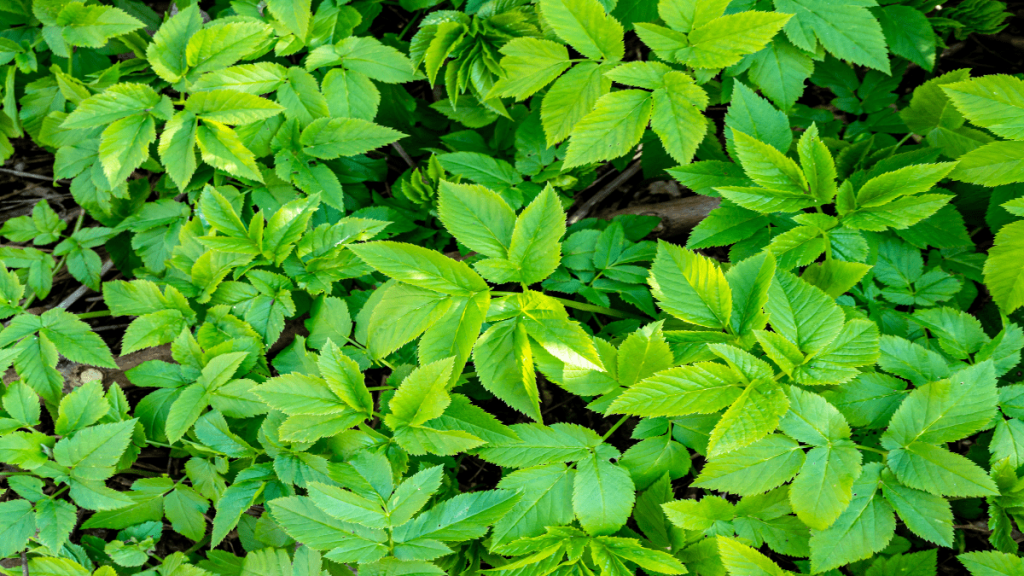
[724, 41]
[824, 487]
[863, 529]
[185, 509]
[534, 249]
[347, 506]
[421, 396]
[753, 115]
[935, 470]
[602, 496]
[754, 469]
[218, 46]
[92, 26]
[1004, 272]
[299, 517]
[17, 526]
[585, 26]
[330, 138]
[927, 515]
[117, 102]
[477, 217]
[699, 515]
[768, 167]
[546, 501]
[221, 148]
[817, 164]
[93, 453]
[945, 410]
[404, 312]
[677, 118]
[55, 520]
[504, 363]
[463, 517]
[889, 186]
[909, 34]
[177, 147]
[83, 407]
[572, 97]
[607, 549]
[537, 445]
[258, 78]
[993, 164]
[991, 563]
[420, 267]
[231, 107]
[651, 458]
[802, 313]
[22, 404]
[743, 560]
[75, 339]
[350, 94]
[780, 71]
[846, 28]
[611, 129]
[412, 494]
[753, 415]
[529, 65]
[701, 388]
[167, 52]
[995, 102]
[294, 14]
[690, 286]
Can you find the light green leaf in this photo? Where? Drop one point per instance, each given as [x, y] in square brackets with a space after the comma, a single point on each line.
[701, 388]
[724, 41]
[231, 107]
[753, 415]
[222, 149]
[863, 529]
[330, 138]
[743, 560]
[995, 102]
[611, 129]
[927, 515]
[1004, 271]
[677, 118]
[602, 496]
[167, 52]
[463, 517]
[586, 27]
[993, 164]
[529, 65]
[754, 469]
[691, 286]
[477, 217]
[844, 27]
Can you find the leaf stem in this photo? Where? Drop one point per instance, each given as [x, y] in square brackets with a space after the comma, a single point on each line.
[195, 547]
[97, 314]
[898, 144]
[615, 427]
[870, 449]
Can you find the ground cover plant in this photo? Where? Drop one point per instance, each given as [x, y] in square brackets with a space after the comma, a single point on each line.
[512, 287]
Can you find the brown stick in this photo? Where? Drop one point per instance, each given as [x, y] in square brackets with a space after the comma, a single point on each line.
[1015, 41]
[405, 155]
[603, 193]
[677, 216]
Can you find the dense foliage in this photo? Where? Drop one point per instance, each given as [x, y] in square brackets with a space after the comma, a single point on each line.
[361, 336]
